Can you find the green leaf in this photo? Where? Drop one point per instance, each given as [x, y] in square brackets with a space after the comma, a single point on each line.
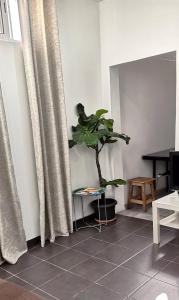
[115, 182]
[92, 123]
[122, 136]
[103, 182]
[103, 133]
[85, 137]
[108, 123]
[100, 112]
[75, 128]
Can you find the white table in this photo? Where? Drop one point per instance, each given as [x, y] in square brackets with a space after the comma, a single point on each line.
[169, 202]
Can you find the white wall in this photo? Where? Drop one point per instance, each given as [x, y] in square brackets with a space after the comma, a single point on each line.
[148, 100]
[129, 30]
[80, 49]
[132, 30]
[12, 80]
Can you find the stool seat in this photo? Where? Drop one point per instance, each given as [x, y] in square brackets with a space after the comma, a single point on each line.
[142, 180]
[140, 183]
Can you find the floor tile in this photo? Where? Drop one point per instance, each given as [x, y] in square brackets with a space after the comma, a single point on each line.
[166, 237]
[176, 260]
[135, 242]
[91, 246]
[148, 262]
[136, 211]
[123, 280]
[170, 274]
[42, 294]
[116, 254]
[129, 226]
[68, 259]
[146, 231]
[157, 290]
[40, 273]
[93, 269]
[23, 263]
[66, 286]
[114, 264]
[112, 235]
[76, 237]
[48, 251]
[119, 218]
[97, 292]
[134, 219]
[167, 251]
[174, 238]
[4, 274]
[21, 283]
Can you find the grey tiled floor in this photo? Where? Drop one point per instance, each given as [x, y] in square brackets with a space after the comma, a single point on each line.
[119, 263]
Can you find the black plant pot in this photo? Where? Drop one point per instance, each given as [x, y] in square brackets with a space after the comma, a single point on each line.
[106, 208]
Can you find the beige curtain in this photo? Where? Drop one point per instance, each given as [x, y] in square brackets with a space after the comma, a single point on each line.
[40, 42]
[12, 236]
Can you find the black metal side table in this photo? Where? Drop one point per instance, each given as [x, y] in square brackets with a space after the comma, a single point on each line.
[80, 193]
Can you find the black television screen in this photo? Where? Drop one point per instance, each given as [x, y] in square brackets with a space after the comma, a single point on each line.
[174, 170]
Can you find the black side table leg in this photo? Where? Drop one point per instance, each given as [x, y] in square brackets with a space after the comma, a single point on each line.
[167, 176]
[154, 172]
[99, 214]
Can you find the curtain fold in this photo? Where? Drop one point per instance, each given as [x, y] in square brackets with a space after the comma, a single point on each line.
[42, 60]
[12, 235]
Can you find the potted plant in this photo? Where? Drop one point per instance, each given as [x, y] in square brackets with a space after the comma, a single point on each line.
[95, 131]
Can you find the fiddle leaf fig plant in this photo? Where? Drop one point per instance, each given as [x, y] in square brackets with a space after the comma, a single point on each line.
[95, 131]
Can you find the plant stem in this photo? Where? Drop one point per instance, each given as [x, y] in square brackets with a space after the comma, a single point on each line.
[99, 171]
[98, 166]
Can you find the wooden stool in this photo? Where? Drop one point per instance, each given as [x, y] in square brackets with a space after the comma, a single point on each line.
[141, 198]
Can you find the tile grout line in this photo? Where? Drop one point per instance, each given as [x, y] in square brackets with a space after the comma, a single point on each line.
[11, 274]
[177, 286]
[128, 234]
[60, 252]
[97, 283]
[90, 256]
[69, 271]
[55, 298]
[44, 281]
[82, 290]
[123, 263]
[34, 286]
[14, 274]
[76, 243]
[151, 277]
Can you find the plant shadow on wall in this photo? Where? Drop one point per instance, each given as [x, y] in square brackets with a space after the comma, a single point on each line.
[95, 131]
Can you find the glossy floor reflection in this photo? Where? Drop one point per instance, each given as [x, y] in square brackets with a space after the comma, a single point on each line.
[119, 263]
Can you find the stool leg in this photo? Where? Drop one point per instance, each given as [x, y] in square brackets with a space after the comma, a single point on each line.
[152, 191]
[144, 198]
[130, 192]
[139, 192]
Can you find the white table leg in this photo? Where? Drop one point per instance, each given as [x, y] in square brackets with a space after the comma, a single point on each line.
[156, 225]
